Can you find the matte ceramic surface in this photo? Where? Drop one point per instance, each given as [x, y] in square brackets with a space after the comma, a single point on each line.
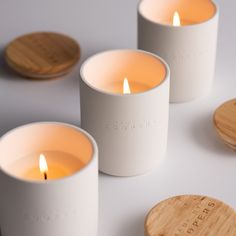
[189, 49]
[66, 206]
[130, 129]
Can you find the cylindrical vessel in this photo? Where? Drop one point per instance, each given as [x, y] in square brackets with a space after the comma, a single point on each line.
[63, 206]
[187, 43]
[129, 127]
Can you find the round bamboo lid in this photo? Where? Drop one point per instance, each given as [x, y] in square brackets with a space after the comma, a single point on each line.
[225, 123]
[191, 215]
[42, 55]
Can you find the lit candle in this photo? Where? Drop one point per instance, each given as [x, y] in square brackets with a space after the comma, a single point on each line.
[124, 105]
[43, 166]
[48, 175]
[126, 87]
[184, 33]
[176, 19]
[54, 164]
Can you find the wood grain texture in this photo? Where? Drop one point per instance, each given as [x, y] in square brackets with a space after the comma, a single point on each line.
[225, 123]
[42, 55]
[191, 216]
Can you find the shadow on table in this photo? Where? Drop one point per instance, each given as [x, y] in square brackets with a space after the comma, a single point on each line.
[9, 74]
[5, 70]
[133, 227]
[205, 135]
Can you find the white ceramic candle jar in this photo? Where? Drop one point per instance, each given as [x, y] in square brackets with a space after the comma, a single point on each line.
[59, 199]
[124, 105]
[184, 33]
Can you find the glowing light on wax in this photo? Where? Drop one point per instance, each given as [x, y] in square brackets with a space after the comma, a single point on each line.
[126, 88]
[43, 166]
[176, 19]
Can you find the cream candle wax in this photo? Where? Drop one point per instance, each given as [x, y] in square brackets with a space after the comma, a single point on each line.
[59, 165]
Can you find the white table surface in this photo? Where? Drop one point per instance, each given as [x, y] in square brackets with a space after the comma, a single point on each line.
[196, 162]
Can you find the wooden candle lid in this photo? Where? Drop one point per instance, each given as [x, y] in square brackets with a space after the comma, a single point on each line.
[191, 215]
[42, 55]
[225, 123]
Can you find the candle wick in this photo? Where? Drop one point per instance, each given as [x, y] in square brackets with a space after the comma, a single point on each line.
[45, 175]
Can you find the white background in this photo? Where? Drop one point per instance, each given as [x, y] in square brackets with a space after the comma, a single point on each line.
[196, 162]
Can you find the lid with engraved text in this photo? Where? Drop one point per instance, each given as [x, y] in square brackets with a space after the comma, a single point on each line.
[191, 215]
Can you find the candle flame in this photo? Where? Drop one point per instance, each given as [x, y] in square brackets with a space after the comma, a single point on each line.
[176, 19]
[126, 88]
[43, 166]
